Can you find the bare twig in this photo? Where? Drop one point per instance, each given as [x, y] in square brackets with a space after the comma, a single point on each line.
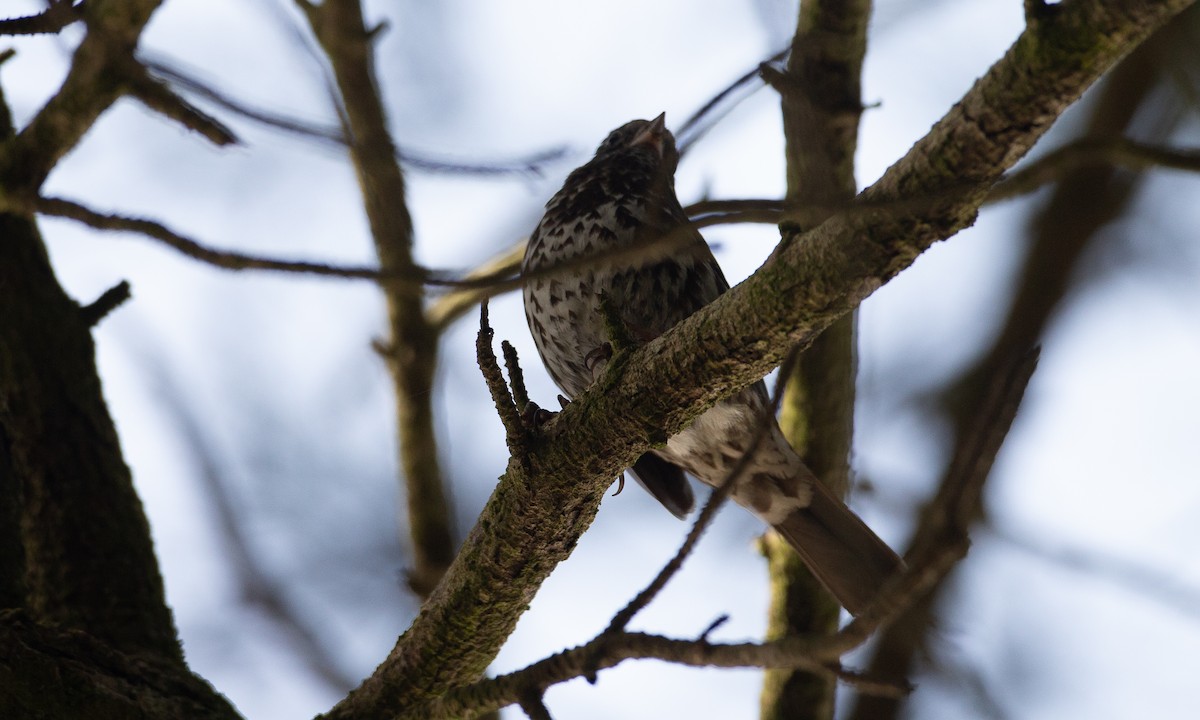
[59, 207]
[811, 654]
[762, 428]
[499, 274]
[333, 136]
[1116, 152]
[58, 15]
[447, 308]
[818, 655]
[92, 84]
[690, 132]
[157, 96]
[108, 301]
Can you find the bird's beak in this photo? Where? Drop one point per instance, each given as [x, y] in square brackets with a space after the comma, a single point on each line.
[653, 134]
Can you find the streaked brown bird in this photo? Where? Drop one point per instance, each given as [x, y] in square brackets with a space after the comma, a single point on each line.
[624, 198]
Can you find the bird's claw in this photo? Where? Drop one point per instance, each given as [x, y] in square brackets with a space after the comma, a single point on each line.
[593, 358]
[535, 416]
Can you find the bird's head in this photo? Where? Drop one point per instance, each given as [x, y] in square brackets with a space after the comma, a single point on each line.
[642, 139]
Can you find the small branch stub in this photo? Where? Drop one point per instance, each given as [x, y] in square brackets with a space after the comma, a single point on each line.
[506, 406]
[110, 300]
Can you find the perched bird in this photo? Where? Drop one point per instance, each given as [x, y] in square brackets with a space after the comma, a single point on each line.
[613, 209]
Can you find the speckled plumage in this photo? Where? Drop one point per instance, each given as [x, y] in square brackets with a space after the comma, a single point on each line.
[625, 198]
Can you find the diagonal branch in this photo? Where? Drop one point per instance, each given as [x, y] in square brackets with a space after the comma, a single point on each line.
[943, 540]
[535, 517]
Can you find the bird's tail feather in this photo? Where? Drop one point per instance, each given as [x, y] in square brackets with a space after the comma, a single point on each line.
[850, 560]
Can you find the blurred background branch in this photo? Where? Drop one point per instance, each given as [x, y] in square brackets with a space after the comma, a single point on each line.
[820, 93]
[411, 348]
[1136, 99]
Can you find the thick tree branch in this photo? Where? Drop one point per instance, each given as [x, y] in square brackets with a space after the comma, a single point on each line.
[943, 540]
[534, 518]
[820, 99]
[411, 348]
[48, 672]
[88, 559]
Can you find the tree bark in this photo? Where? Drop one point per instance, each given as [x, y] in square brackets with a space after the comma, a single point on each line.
[821, 99]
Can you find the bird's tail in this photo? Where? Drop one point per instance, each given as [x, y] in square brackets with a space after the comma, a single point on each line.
[841, 551]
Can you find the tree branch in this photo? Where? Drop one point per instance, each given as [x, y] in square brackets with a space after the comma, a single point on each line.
[89, 560]
[93, 83]
[762, 428]
[157, 96]
[53, 672]
[500, 274]
[411, 348]
[534, 518]
[108, 301]
[1086, 199]
[943, 540]
[57, 15]
[820, 101]
[329, 135]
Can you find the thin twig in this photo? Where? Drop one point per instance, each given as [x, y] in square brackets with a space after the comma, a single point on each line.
[1119, 152]
[690, 132]
[704, 519]
[108, 301]
[58, 15]
[944, 543]
[333, 136]
[157, 96]
[498, 275]
[59, 207]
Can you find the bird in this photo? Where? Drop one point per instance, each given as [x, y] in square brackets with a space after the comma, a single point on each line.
[602, 228]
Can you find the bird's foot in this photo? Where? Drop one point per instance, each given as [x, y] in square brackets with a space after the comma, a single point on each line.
[592, 361]
[535, 416]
